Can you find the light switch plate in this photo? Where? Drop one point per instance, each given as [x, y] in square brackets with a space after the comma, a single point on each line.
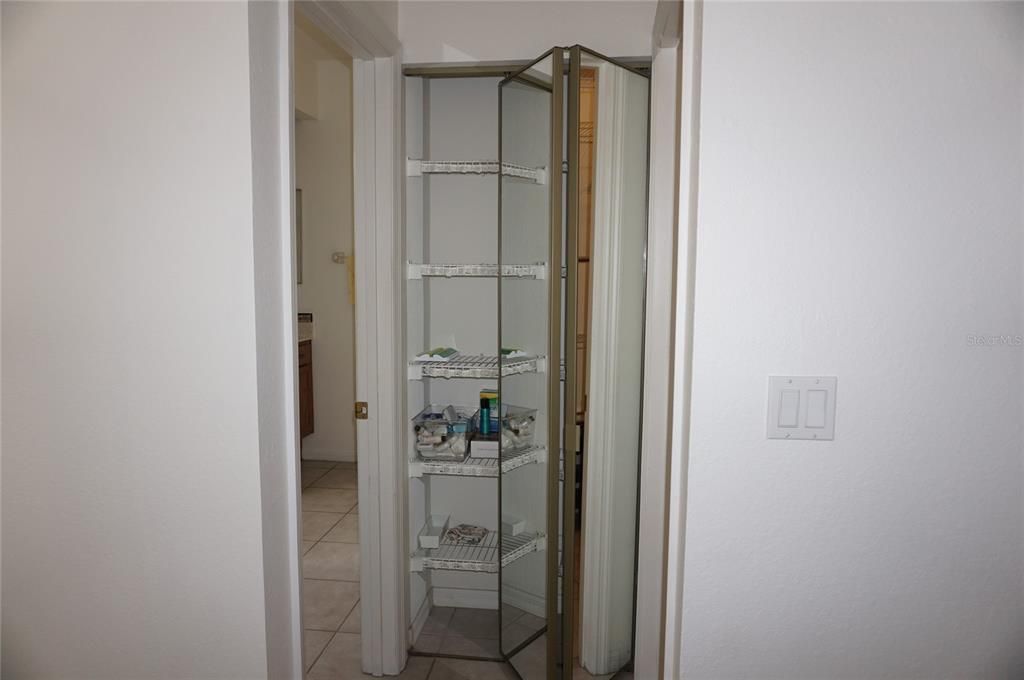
[801, 407]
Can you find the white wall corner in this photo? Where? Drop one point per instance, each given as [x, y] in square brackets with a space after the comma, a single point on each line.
[270, 54]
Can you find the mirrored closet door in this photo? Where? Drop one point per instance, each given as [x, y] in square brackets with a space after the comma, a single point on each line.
[529, 230]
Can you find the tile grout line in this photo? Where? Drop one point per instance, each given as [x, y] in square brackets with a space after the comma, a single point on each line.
[321, 651]
[345, 618]
[325, 471]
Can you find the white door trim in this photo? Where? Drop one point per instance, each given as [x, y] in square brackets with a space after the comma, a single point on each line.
[675, 127]
[376, 78]
[658, 330]
[690, 47]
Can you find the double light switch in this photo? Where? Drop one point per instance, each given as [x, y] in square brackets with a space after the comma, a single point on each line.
[801, 407]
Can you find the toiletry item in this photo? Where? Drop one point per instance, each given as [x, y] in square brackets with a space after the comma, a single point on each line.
[517, 427]
[442, 432]
[512, 525]
[490, 393]
[435, 528]
[483, 448]
[485, 416]
[465, 534]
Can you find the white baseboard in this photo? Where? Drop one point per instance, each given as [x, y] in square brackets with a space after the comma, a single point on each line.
[528, 602]
[419, 620]
[465, 597]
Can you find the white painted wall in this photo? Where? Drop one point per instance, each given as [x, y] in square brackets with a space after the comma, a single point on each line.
[323, 170]
[451, 218]
[304, 72]
[860, 215]
[386, 12]
[131, 487]
[491, 30]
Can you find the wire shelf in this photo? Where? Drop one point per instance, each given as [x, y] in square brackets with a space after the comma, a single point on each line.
[478, 467]
[475, 366]
[519, 271]
[517, 459]
[479, 558]
[415, 167]
[515, 547]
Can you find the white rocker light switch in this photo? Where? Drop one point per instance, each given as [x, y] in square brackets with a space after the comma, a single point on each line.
[801, 407]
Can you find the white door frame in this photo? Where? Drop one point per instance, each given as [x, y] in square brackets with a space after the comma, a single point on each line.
[376, 67]
[680, 25]
[668, 338]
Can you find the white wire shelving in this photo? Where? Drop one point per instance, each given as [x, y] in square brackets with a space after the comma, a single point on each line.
[478, 467]
[415, 167]
[415, 271]
[475, 366]
[478, 558]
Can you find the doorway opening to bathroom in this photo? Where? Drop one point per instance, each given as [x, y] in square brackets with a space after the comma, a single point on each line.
[325, 295]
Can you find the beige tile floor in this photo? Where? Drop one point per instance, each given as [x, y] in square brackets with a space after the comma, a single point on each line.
[330, 570]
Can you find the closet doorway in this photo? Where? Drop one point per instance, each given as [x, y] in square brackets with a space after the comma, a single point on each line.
[563, 324]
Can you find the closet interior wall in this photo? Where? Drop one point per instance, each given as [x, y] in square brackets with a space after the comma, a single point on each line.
[451, 219]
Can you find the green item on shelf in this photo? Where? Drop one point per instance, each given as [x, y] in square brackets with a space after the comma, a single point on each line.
[438, 354]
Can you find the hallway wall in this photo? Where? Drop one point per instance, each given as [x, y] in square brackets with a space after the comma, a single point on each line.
[860, 215]
[131, 508]
[434, 31]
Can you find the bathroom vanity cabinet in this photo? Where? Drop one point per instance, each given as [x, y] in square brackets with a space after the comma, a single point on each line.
[306, 388]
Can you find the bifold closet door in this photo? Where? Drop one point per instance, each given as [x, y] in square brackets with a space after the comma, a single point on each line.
[530, 229]
[608, 206]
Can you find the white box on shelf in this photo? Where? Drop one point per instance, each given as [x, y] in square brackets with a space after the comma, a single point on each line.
[481, 448]
[433, 530]
[512, 525]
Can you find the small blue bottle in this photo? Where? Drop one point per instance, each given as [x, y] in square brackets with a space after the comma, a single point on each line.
[485, 416]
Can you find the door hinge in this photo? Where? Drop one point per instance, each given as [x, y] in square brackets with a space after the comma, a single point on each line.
[362, 410]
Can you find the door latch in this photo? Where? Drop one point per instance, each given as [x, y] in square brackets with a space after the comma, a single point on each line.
[362, 410]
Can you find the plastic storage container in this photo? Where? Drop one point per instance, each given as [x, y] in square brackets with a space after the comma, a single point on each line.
[517, 427]
[442, 432]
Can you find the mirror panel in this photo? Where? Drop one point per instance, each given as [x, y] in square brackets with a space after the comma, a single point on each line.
[525, 324]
